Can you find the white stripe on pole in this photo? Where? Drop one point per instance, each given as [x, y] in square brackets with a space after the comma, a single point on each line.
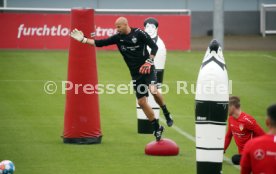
[209, 155]
[207, 140]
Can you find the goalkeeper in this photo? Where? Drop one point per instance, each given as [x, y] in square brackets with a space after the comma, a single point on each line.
[132, 43]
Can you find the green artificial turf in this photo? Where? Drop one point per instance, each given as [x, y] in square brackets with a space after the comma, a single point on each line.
[31, 121]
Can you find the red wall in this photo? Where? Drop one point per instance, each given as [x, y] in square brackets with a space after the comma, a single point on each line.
[50, 31]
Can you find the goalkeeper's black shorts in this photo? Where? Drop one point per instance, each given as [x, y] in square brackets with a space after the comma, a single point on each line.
[142, 81]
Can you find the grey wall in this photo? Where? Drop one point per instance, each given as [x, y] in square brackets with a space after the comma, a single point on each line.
[142, 4]
[235, 22]
[194, 5]
[51, 3]
[241, 16]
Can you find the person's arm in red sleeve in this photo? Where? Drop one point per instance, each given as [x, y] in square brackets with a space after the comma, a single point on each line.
[252, 125]
[246, 159]
[258, 131]
[228, 137]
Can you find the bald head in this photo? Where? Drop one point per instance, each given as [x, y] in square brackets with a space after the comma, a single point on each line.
[121, 25]
[121, 20]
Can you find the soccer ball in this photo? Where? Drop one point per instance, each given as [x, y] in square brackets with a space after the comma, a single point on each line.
[7, 167]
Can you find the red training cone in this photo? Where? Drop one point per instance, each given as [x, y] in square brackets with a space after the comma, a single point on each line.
[164, 147]
[82, 117]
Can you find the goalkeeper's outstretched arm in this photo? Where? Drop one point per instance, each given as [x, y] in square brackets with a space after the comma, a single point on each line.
[79, 36]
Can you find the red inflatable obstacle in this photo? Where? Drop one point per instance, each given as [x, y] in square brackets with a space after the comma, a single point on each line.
[164, 147]
[82, 117]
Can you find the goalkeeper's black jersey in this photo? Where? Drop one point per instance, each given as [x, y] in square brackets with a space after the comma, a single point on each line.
[132, 46]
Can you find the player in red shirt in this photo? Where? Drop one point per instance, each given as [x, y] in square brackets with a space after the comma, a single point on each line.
[259, 156]
[241, 126]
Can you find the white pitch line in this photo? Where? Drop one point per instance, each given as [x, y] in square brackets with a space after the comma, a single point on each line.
[264, 55]
[192, 138]
[270, 57]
